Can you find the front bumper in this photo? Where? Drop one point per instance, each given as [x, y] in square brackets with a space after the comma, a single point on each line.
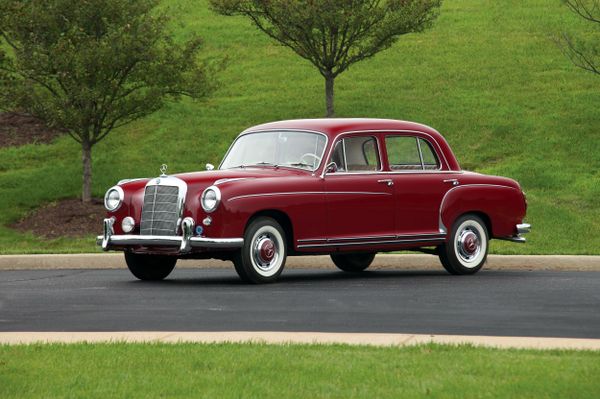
[185, 242]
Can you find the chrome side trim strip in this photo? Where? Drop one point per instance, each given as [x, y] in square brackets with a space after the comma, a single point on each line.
[359, 243]
[385, 237]
[307, 193]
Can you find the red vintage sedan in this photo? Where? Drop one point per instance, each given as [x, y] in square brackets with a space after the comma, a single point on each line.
[349, 188]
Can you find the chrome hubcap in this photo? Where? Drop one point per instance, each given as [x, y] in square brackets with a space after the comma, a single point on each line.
[468, 244]
[265, 252]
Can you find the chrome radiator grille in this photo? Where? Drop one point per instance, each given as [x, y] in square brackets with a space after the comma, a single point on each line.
[161, 211]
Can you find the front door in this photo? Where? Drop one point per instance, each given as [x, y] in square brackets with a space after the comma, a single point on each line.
[359, 196]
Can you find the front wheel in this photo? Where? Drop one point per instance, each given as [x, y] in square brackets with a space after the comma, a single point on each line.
[262, 258]
[467, 248]
[353, 262]
[150, 267]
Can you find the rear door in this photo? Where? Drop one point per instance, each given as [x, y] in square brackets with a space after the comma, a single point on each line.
[420, 183]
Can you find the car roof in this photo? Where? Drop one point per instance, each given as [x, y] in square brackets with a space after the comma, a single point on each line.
[332, 127]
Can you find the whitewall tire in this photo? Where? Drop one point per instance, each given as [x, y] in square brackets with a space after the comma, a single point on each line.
[262, 258]
[467, 248]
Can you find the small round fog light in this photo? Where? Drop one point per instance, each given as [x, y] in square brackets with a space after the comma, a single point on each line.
[128, 224]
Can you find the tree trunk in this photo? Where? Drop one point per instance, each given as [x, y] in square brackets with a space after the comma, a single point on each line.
[86, 158]
[329, 95]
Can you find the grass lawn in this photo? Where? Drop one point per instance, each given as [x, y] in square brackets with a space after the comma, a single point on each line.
[487, 76]
[293, 371]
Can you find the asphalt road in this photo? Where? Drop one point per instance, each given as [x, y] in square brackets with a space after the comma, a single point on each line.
[502, 303]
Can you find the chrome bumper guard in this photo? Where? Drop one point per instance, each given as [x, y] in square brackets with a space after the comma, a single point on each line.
[184, 242]
[522, 228]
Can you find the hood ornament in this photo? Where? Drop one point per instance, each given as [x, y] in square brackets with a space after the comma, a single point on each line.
[163, 170]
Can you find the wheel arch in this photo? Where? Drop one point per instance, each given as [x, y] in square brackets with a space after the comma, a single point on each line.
[282, 218]
[482, 215]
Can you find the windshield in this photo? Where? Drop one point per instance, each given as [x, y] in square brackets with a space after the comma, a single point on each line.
[279, 148]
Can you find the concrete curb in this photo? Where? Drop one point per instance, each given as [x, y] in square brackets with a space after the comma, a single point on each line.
[282, 338]
[382, 261]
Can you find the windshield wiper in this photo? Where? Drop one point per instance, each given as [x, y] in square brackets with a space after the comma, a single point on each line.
[300, 164]
[266, 164]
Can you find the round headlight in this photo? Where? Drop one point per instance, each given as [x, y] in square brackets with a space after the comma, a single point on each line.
[113, 198]
[128, 224]
[210, 199]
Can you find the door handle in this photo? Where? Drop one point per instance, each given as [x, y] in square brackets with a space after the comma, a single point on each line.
[453, 181]
[389, 182]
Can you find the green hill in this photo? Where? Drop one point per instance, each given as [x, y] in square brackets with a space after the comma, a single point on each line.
[487, 76]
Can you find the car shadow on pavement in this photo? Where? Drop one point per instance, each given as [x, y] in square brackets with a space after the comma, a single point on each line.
[224, 278]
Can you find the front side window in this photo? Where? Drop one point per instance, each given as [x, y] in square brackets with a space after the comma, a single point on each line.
[356, 154]
[410, 153]
[282, 148]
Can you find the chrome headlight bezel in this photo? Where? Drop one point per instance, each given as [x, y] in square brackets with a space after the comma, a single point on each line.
[217, 199]
[121, 196]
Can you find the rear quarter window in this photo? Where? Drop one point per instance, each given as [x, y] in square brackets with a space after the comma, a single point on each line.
[410, 153]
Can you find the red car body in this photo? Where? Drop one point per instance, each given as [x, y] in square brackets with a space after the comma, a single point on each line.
[327, 211]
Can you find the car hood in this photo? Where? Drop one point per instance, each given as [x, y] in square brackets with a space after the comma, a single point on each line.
[201, 180]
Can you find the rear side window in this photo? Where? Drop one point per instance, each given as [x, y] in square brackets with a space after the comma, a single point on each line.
[430, 161]
[410, 153]
[356, 154]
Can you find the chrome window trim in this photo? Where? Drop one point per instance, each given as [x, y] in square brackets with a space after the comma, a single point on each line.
[247, 132]
[420, 153]
[438, 150]
[341, 139]
[438, 169]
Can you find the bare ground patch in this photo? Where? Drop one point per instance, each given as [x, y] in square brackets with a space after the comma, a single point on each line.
[17, 129]
[64, 218]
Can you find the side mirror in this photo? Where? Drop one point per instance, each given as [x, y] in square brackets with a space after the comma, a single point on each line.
[331, 168]
[210, 166]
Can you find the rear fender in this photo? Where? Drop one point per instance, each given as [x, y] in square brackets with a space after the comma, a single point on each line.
[504, 206]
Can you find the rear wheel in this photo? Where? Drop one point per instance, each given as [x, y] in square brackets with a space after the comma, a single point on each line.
[150, 267]
[262, 258]
[467, 249]
[353, 262]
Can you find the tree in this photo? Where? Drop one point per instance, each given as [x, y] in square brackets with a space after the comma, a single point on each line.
[334, 34]
[584, 52]
[89, 67]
